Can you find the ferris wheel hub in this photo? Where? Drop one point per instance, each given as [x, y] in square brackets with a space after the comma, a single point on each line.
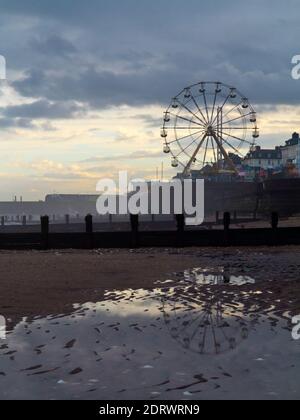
[210, 130]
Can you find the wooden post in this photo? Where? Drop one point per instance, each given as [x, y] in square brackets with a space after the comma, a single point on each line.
[274, 235]
[134, 222]
[274, 220]
[226, 223]
[227, 220]
[217, 218]
[89, 224]
[89, 229]
[45, 231]
[180, 223]
[2, 221]
[67, 218]
[235, 217]
[24, 221]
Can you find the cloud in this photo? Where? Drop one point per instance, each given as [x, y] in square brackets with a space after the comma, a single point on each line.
[135, 54]
[43, 109]
[99, 89]
[8, 123]
[53, 45]
[103, 88]
[121, 137]
[148, 120]
[48, 169]
[142, 154]
[26, 116]
[115, 62]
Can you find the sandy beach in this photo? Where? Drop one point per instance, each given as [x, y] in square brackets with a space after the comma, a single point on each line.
[42, 283]
[150, 324]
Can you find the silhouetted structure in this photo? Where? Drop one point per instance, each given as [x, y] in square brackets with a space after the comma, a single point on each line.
[136, 237]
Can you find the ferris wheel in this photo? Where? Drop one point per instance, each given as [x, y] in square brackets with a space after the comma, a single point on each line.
[206, 125]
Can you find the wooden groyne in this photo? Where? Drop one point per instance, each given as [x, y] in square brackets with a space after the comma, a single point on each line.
[137, 238]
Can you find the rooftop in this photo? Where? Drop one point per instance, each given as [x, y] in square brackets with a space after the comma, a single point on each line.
[293, 141]
[259, 153]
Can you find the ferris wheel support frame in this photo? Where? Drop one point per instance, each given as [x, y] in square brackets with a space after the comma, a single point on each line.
[222, 152]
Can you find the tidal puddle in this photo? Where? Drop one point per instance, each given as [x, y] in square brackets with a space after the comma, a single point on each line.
[193, 337]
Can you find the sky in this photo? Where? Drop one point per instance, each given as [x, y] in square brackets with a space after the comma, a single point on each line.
[87, 82]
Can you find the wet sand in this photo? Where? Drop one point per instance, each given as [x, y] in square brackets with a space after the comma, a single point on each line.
[150, 324]
[42, 283]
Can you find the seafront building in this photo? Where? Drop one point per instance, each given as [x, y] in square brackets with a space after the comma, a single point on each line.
[267, 159]
[291, 151]
[281, 159]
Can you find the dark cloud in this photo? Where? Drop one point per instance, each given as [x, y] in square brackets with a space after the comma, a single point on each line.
[26, 116]
[138, 53]
[8, 123]
[101, 89]
[53, 45]
[98, 88]
[43, 109]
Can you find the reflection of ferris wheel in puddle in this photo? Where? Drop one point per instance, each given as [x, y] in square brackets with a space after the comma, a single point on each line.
[204, 325]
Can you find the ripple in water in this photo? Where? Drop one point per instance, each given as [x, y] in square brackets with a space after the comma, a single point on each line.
[201, 334]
